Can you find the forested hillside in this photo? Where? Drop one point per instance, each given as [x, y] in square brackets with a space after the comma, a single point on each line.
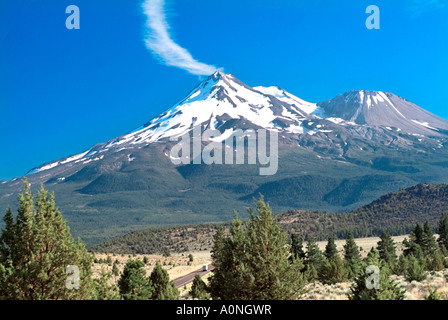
[395, 213]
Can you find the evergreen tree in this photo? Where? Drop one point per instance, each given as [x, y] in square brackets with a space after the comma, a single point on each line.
[115, 270]
[429, 243]
[253, 263]
[351, 249]
[311, 274]
[386, 249]
[164, 289]
[314, 258]
[105, 291]
[36, 251]
[272, 277]
[388, 289]
[417, 234]
[297, 247]
[330, 249]
[414, 244]
[436, 261]
[352, 256]
[415, 269]
[400, 266]
[444, 251]
[219, 257]
[7, 237]
[412, 248]
[443, 232]
[333, 270]
[133, 283]
[228, 255]
[198, 289]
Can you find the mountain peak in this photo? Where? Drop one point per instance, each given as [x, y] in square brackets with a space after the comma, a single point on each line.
[218, 76]
[224, 103]
[383, 109]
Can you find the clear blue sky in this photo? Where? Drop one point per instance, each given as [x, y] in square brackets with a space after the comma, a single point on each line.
[62, 91]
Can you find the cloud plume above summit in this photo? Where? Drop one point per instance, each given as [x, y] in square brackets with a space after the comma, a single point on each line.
[158, 40]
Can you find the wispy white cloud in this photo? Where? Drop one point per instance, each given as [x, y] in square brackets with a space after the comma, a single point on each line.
[418, 7]
[159, 42]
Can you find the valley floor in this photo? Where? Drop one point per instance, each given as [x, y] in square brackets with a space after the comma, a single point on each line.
[365, 244]
[179, 264]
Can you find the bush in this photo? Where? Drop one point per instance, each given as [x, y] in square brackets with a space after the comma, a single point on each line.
[433, 295]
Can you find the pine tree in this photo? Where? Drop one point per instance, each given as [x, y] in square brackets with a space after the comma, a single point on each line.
[314, 258]
[7, 237]
[333, 270]
[37, 250]
[443, 232]
[198, 289]
[272, 277]
[228, 255]
[164, 289]
[400, 266]
[217, 285]
[351, 249]
[330, 249]
[412, 248]
[115, 270]
[386, 249]
[297, 247]
[444, 252]
[311, 274]
[435, 262]
[414, 244]
[133, 283]
[415, 269]
[105, 291]
[388, 289]
[428, 242]
[417, 234]
[253, 263]
[352, 256]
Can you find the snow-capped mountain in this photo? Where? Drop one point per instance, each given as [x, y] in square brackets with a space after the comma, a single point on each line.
[224, 103]
[221, 98]
[383, 109]
[334, 155]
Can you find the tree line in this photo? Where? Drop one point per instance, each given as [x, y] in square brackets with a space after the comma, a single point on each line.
[37, 254]
[256, 262]
[255, 259]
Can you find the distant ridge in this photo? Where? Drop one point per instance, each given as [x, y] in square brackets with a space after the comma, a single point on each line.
[395, 213]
